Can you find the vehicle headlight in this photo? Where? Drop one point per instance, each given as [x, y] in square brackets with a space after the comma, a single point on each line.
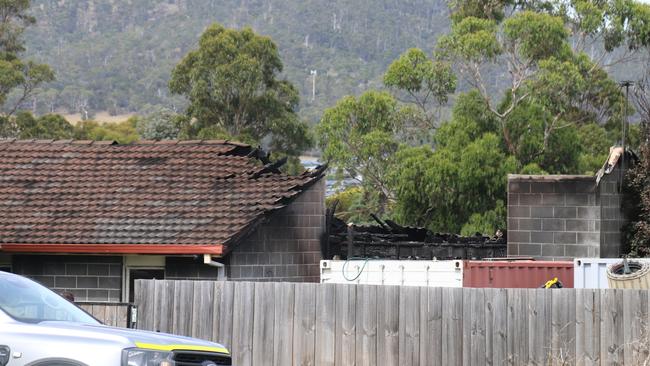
[145, 357]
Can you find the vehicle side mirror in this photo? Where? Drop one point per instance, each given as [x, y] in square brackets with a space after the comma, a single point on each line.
[4, 355]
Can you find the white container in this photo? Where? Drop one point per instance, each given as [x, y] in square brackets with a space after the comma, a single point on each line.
[393, 272]
[592, 272]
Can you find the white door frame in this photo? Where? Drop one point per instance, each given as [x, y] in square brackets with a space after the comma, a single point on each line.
[138, 262]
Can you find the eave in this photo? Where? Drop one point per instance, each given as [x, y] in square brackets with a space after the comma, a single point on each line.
[168, 249]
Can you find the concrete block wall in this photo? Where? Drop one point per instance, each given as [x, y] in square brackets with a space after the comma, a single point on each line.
[89, 278]
[553, 217]
[287, 247]
[188, 268]
[611, 216]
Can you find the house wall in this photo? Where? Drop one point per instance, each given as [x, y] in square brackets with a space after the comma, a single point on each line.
[553, 217]
[611, 215]
[89, 278]
[188, 268]
[563, 217]
[285, 248]
[288, 246]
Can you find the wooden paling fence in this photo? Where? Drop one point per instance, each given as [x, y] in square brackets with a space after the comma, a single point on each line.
[114, 315]
[326, 324]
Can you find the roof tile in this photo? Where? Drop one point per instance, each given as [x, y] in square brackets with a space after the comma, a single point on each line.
[164, 192]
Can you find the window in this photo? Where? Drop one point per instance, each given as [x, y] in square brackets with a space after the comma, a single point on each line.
[27, 301]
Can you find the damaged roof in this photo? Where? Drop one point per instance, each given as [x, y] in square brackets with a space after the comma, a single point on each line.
[166, 197]
[615, 154]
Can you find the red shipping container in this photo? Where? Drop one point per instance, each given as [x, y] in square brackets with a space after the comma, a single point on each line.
[516, 274]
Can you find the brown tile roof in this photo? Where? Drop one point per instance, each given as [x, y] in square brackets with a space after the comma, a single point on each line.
[169, 192]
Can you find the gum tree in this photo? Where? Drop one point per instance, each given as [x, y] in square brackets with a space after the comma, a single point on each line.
[18, 76]
[233, 84]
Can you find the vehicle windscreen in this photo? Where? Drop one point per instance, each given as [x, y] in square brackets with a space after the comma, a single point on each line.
[27, 301]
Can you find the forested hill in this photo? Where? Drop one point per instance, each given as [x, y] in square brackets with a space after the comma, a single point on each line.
[116, 55]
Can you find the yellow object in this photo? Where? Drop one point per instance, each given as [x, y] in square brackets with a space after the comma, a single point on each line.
[550, 283]
[180, 347]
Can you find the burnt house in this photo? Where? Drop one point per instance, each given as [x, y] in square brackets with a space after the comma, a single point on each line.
[389, 240]
[91, 217]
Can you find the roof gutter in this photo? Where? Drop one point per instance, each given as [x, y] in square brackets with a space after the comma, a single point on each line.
[171, 249]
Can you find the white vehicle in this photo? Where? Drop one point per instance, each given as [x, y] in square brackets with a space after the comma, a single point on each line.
[40, 328]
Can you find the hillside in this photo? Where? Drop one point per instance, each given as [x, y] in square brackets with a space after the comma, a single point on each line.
[116, 56]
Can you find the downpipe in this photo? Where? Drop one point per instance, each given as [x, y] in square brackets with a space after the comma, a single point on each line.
[221, 268]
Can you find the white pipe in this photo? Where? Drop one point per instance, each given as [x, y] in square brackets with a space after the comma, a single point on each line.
[221, 268]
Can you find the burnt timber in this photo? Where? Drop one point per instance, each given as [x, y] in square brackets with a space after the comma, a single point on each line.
[388, 240]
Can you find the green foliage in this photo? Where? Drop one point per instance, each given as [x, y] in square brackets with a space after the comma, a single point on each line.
[637, 18]
[24, 125]
[123, 132]
[232, 83]
[442, 189]
[290, 136]
[553, 88]
[15, 72]
[551, 150]
[559, 115]
[472, 39]
[616, 22]
[417, 193]
[635, 136]
[535, 36]
[51, 126]
[532, 169]
[595, 147]
[228, 78]
[11, 76]
[490, 9]
[358, 138]
[425, 81]
[161, 124]
[14, 21]
[579, 90]
[470, 120]
[351, 205]
[486, 223]
[637, 203]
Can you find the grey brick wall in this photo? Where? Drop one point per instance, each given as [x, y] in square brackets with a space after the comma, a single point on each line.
[553, 217]
[287, 247]
[611, 216]
[188, 268]
[89, 278]
[563, 216]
